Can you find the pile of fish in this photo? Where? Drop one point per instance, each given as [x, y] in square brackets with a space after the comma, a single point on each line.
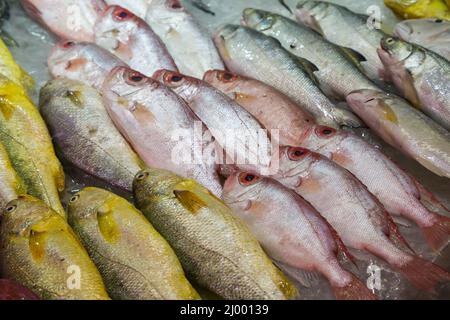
[238, 151]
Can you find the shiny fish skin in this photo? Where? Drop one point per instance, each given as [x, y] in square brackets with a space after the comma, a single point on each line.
[337, 75]
[263, 101]
[191, 46]
[291, 231]
[11, 185]
[133, 41]
[408, 9]
[150, 116]
[135, 261]
[85, 134]
[68, 19]
[346, 29]
[215, 248]
[11, 70]
[421, 75]
[40, 251]
[433, 34]
[27, 140]
[138, 7]
[85, 62]
[405, 128]
[253, 54]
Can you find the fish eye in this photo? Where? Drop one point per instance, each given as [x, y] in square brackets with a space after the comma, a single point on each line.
[438, 20]
[74, 198]
[142, 175]
[121, 14]
[247, 179]
[295, 153]
[136, 77]
[325, 132]
[11, 208]
[173, 78]
[175, 4]
[390, 40]
[226, 76]
[68, 44]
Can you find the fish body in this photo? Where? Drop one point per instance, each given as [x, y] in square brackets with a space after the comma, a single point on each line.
[291, 231]
[419, 9]
[433, 34]
[405, 128]
[28, 143]
[336, 74]
[138, 7]
[132, 40]
[41, 252]
[11, 70]
[11, 185]
[154, 120]
[189, 44]
[68, 19]
[82, 61]
[335, 23]
[255, 55]
[81, 128]
[134, 260]
[421, 75]
[214, 247]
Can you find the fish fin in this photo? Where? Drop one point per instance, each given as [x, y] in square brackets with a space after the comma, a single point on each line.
[308, 66]
[355, 290]
[355, 57]
[438, 235]
[199, 4]
[400, 221]
[429, 200]
[304, 277]
[189, 200]
[424, 274]
[395, 236]
[283, 3]
[344, 256]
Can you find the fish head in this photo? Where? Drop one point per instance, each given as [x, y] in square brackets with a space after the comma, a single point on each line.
[394, 51]
[223, 37]
[376, 105]
[242, 189]
[138, 7]
[165, 11]
[65, 57]
[86, 204]
[294, 161]
[310, 13]
[223, 80]
[421, 30]
[258, 19]
[319, 137]
[185, 86]
[364, 98]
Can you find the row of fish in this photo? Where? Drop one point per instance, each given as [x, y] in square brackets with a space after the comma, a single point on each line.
[118, 97]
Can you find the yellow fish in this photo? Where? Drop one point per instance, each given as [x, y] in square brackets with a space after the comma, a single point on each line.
[419, 9]
[11, 185]
[10, 69]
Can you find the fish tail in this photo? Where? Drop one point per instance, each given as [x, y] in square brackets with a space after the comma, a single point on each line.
[438, 234]
[355, 290]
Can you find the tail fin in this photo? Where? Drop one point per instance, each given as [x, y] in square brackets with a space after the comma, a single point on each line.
[429, 200]
[355, 290]
[424, 274]
[438, 234]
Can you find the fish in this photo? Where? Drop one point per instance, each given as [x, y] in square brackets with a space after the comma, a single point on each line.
[4, 16]
[189, 44]
[243, 139]
[421, 76]
[132, 40]
[10, 290]
[336, 74]
[356, 215]
[335, 23]
[41, 252]
[291, 231]
[419, 9]
[11, 185]
[433, 34]
[10, 69]
[263, 101]
[87, 138]
[67, 19]
[134, 260]
[82, 61]
[28, 143]
[405, 128]
[160, 126]
[255, 55]
[137, 7]
[216, 249]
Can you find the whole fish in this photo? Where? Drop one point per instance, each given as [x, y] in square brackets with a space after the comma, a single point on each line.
[11, 185]
[357, 216]
[81, 128]
[14, 72]
[412, 9]
[27, 140]
[10, 290]
[433, 34]
[348, 30]
[132, 40]
[336, 74]
[41, 252]
[68, 19]
[242, 137]
[138, 7]
[160, 126]
[291, 231]
[214, 247]
[134, 259]
[405, 128]
[263, 102]
[421, 75]
[255, 55]
[82, 61]
[188, 43]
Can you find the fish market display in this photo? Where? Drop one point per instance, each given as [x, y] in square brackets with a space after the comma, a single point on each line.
[11, 70]
[11, 185]
[421, 75]
[292, 231]
[133, 41]
[10, 290]
[433, 34]
[337, 75]
[408, 9]
[348, 30]
[40, 251]
[138, 7]
[82, 130]
[215, 248]
[189, 44]
[405, 128]
[253, 54]
[151, 116]
[133, 258]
